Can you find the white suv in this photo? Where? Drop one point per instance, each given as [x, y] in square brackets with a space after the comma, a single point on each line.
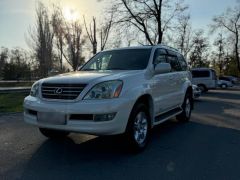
[122, 91]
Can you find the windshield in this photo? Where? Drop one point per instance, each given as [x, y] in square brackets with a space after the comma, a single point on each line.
[127, 59]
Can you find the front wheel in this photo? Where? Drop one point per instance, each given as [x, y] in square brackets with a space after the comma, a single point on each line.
[138, 128]
[186, 109]
[203, 88]
[53, 134]
[223, 86]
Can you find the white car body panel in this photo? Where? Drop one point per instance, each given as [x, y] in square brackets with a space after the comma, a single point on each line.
[167, 91]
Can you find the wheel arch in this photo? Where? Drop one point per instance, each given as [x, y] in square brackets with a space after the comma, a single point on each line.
[203, 85]
[190, 90]
[148, 101]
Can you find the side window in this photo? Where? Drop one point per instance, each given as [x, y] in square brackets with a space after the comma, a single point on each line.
[200, 73]
[173, 60]
[182, 62]
[159, 56]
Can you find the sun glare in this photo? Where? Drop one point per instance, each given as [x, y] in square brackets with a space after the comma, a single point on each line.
[70, 14]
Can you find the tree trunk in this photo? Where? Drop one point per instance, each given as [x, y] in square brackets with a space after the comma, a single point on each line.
[236, 51]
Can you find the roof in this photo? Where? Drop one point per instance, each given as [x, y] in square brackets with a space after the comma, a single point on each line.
[202, 68]
[146, 47]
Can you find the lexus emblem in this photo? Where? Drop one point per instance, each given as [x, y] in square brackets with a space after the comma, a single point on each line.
[58, 91]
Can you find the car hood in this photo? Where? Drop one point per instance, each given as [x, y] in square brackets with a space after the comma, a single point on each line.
[86, 77]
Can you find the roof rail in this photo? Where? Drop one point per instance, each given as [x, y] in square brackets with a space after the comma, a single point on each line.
[163, 45]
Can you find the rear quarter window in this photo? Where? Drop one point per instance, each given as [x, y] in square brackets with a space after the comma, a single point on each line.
[182, 62]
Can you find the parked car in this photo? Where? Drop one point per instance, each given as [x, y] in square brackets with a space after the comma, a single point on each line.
[204, 78]
[232, 79]
[224, 84]
[196, 91]
[122, 91]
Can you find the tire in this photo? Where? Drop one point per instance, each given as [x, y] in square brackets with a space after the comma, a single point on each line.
[187, 107]
[224, 86]
[138, 128]
[53, 134]
[203, 88]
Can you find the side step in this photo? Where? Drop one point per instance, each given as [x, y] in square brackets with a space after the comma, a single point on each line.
[167, 115]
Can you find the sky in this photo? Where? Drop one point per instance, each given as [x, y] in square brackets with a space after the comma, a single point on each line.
[16, 16]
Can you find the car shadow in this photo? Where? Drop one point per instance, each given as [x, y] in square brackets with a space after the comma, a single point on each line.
[176, 151]
[217, 112]
[222, 95]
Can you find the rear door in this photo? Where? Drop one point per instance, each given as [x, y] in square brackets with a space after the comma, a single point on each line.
[175, 81]
[185, 74]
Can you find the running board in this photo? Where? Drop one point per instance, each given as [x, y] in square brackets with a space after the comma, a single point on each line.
[167, 115]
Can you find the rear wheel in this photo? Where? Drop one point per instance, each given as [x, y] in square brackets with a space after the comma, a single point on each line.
[53, 134]
[138, 128]
[187, 109]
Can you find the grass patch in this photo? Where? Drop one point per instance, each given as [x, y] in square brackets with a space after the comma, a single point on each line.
[12, 102]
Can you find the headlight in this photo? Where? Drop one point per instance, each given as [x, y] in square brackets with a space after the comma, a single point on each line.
[35, 89]
[105, 90]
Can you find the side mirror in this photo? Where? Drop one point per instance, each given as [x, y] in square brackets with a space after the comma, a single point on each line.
[162, 68]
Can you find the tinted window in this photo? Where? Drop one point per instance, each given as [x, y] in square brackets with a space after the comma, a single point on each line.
[173, 60]
[224, 78]
[160, 56]
[182, 62]
[127, 59]
[202, 73]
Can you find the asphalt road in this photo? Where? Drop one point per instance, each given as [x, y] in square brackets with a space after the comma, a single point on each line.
[208, 147]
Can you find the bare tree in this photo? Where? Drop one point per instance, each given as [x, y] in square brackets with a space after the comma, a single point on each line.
[59, 31]
[199, 54]
[230, 21]
[221, 59]
[75, 41]
[69, 39]
[3, 59]
[105, 31]
[42, 40]
[92, 34]
[184, 33]
[151, 17]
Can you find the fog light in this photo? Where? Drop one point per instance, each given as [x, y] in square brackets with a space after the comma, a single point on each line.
[104, 117]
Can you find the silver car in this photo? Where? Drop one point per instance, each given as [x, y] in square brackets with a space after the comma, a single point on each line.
[224, 84]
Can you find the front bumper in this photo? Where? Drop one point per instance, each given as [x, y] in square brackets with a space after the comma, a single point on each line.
[196, 94]
[122, 107]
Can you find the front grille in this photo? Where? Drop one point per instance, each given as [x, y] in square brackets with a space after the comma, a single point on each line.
[61, 91]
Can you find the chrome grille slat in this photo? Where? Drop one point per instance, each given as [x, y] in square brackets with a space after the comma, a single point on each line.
[67, 92]
[63, 91]
[64, 87]
[58, 95]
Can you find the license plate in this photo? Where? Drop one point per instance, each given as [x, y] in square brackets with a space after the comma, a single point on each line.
[51, 118]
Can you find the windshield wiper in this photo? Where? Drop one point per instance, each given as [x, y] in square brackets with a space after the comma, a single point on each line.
[88, 70]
